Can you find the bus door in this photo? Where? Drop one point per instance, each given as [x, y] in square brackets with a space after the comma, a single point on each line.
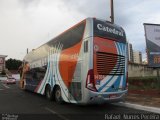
[75, 91]
[34, 77]
[29, 80]
[38, 76]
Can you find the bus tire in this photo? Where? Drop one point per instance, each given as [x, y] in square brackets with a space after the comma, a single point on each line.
[58, 95]
[48, 93]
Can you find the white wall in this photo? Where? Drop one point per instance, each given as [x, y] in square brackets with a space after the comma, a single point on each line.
[135, 70]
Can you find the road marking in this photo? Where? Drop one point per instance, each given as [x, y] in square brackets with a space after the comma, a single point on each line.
[5, 86]
[139, 107]
[59, 115]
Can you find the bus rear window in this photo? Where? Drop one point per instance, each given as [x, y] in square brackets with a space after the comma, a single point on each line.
[109, 31]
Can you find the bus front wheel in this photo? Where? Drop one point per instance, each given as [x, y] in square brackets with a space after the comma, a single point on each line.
[57, 95]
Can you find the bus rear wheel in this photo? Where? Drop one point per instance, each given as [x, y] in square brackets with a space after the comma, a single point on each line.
[48, 93]
[57, 95]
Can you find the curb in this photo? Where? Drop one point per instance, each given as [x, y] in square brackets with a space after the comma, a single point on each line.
[139, 107]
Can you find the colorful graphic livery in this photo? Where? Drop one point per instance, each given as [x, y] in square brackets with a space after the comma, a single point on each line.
[85, 64]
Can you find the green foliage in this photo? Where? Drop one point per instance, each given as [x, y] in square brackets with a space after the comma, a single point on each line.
[13, 64]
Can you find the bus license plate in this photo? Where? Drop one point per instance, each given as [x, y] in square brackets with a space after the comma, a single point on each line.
[112, 96]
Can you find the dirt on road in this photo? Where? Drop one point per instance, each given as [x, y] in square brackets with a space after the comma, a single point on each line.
[144, 97]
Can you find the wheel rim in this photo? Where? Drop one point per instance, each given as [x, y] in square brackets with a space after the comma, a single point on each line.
[58, 94]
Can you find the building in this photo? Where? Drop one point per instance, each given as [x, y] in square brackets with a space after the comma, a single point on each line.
[137, 55]
[145, 62]
[130, 52]
[2, 62]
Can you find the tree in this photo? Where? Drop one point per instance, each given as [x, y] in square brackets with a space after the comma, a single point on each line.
[13, 64]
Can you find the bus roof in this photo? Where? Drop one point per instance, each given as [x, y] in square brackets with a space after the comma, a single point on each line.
[105, 27]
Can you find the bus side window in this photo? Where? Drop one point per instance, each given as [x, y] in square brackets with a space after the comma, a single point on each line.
[85, 46]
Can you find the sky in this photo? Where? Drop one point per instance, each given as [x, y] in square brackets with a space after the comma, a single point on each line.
[31, 23]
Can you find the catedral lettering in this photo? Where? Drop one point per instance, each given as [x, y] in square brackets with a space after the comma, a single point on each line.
[78, 65]
[110, 30]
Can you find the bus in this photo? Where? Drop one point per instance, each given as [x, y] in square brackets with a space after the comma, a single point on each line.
[86, 64]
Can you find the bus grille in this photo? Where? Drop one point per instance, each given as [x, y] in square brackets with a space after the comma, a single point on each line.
[110, 64]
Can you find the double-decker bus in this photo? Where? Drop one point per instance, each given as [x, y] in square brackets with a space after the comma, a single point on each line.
[85, 64]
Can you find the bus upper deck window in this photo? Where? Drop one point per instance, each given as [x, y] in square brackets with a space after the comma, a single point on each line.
[86, 46]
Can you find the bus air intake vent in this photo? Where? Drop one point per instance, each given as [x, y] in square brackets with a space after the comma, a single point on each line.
[110, 64]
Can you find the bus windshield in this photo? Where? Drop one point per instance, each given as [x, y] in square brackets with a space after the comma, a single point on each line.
[110, 31]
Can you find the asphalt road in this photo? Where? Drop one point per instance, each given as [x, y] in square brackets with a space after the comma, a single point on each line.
[24, 105]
